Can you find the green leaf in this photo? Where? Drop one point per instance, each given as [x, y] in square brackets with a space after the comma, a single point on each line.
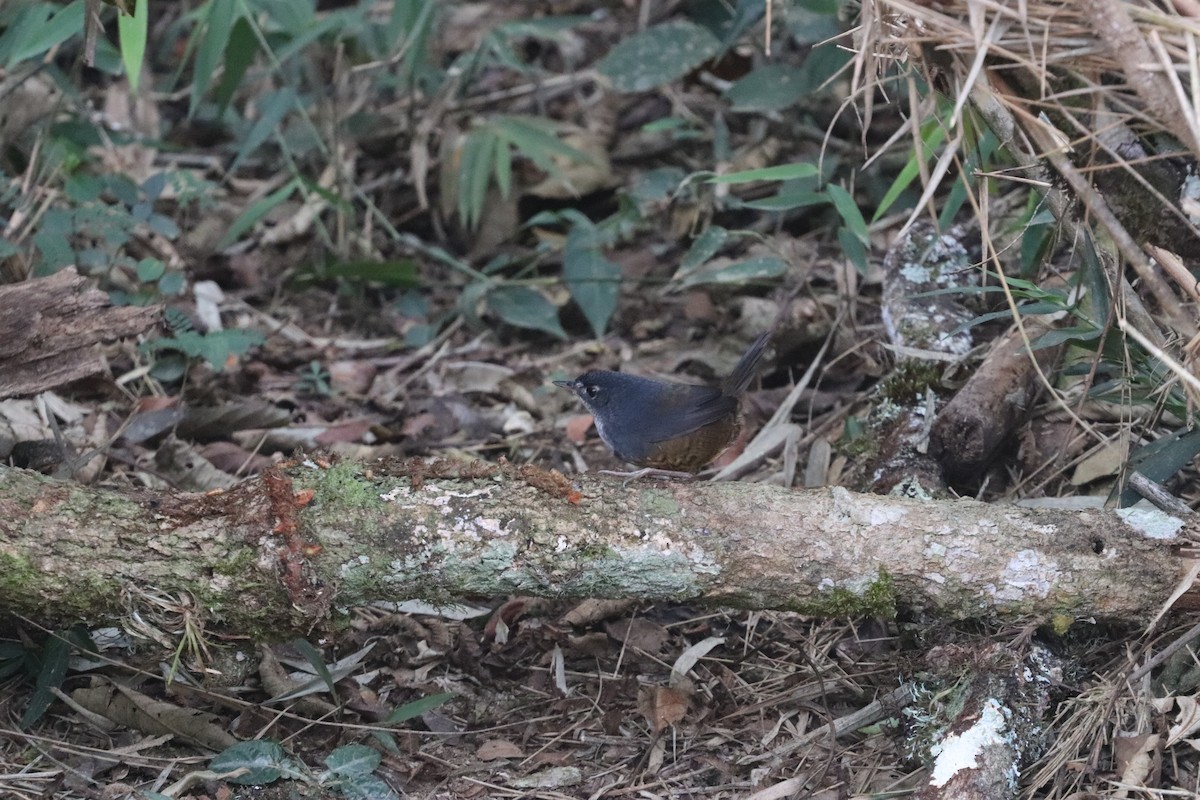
[172, 284]
[401, 274]
[150, 270]
[854, 249]
[37, 34]
[780, 172]
[131, 32]
[739, 272]
[55, 656]
[658, 55]
[416, 708]
[215, 347]
[655, 185]
[1060, 335]
[1161, 459]
[536, 139]
[812, 21]
[773, 87]
[272, 107]
[525, 308]
[213, 31]
[706, 245]
[933, 134]
[593, 280]
[257, 210]
[264, 761]
[239, 55]
[314, 658]
[353, 759]
[788, 201]
[366, 787]
[848, 210]
[474, 172]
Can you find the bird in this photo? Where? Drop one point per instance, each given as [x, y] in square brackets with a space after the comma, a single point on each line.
[668, 429]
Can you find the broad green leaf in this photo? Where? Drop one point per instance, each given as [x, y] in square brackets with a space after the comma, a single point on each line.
[265, 761]
[150, 270]
[658, 55]
[416, 708]
[655, 185]
[594, 281]
[848, 210]
[366, 787]
[353, 759]
[55, 656]
[706, 245]
[772, 87]
[854, 249]
[739, 272]
[239, 55]
[525, 308]
[38, 34]
[780, 172]
[131, 31]
[812, 21]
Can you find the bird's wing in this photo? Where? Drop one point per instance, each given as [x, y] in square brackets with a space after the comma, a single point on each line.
[694, 408]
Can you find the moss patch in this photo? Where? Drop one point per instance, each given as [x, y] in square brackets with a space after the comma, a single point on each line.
[878, 599]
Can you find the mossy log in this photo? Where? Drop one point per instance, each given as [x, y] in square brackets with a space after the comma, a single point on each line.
[288, 550]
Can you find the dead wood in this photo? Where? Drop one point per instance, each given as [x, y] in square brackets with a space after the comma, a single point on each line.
[50, 329]
[270, 557]
[994, 403]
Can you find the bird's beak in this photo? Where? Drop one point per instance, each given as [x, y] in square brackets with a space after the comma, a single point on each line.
[566, 384]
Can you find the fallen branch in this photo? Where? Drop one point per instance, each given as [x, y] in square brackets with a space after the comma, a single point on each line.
[50, 329]
[267, 559]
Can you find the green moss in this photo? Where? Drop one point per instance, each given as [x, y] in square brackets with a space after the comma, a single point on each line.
[240, 563]
[908, 382]
[16, 576]
[343, 485]
[878, 599]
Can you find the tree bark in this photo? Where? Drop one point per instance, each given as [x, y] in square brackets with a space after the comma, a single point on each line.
[277, 553]
[50, 329]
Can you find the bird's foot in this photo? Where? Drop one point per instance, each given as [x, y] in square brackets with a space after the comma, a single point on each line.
[649, 472]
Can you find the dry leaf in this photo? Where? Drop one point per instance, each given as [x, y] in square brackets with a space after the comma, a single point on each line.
[1187, 720]
[495, 749]
[662, 706]
[647, 636]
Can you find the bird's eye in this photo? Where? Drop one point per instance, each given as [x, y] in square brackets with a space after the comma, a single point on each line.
[591, 390]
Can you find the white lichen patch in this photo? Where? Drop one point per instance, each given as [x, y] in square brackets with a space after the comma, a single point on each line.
[439, 497]
[353, 564]
[1027, 574]
[959, 751]
[857, 586]
[395, 494]
[1151, 522]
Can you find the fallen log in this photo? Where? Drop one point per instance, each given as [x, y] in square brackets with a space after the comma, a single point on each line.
[277, 553]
